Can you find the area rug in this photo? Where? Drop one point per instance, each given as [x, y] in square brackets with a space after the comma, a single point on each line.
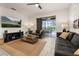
[20, 48]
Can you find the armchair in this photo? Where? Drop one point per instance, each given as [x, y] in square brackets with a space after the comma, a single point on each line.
[39, 33]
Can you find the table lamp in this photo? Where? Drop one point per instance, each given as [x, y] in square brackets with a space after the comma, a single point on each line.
[64, 26]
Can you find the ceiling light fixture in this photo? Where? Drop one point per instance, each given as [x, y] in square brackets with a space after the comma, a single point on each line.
[36, 5]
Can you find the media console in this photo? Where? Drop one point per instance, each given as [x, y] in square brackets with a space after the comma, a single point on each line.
[12, 36]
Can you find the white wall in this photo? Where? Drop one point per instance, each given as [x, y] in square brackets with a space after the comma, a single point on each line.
[61, 16]
[73, 15]
[8, 12]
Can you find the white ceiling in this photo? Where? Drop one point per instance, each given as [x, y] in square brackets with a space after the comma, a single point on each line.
[23, 8]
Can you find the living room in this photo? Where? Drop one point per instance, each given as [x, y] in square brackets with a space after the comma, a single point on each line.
[27, 15]
[41, 46]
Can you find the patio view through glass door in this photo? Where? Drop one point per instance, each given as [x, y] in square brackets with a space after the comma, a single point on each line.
[49, 26]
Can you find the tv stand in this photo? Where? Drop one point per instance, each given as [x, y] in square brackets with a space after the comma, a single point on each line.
[12, 36]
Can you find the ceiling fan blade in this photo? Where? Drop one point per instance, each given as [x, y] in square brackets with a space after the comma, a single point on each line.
[40, 7]
[32, 3]
[13, 9]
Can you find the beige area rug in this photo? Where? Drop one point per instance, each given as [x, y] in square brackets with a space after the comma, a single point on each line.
[20, 48]
[1, 41]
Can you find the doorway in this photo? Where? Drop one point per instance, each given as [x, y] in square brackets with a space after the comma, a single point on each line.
[48, 24]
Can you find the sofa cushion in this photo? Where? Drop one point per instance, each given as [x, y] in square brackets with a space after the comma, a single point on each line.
[64, 43]
[64, 47]
[70, 36]
[75, 40]
[64, 35]
[63, 50]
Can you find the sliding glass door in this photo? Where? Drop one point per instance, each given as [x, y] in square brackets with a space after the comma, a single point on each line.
[49, 25]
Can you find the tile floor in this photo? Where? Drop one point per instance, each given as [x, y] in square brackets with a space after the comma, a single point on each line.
[49, 48]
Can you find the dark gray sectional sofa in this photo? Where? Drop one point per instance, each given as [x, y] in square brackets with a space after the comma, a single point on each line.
[67, 47]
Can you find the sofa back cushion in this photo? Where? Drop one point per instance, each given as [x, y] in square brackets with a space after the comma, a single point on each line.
[70, 36]
[75, 40]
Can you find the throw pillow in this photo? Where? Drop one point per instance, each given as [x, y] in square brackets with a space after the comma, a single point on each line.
[64, 35]
[70, 36]
[76, 52]
[75, 40]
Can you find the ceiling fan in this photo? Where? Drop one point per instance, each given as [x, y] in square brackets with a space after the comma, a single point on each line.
[36, 4]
